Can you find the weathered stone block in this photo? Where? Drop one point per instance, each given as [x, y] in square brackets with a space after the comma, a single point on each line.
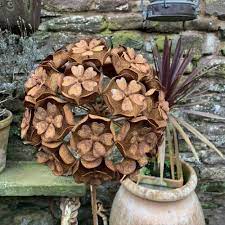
[111, 6]
[68, 5]
[78, 23]
[125, 21]
[131, 39]
[211, 44]
[216, 8]
[163, 27]
[32, 179]
[194, 40]
[203, 24]
[135, 5]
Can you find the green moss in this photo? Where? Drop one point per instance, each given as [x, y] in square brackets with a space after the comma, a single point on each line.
[159, 41]
[104, 25]
[217, 186]
[209, 205]
[114, 26]
[128, 39]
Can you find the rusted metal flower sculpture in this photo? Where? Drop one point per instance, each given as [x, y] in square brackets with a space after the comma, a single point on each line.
[94, 113]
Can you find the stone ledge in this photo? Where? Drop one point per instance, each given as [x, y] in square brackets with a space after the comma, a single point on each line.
[27, 178]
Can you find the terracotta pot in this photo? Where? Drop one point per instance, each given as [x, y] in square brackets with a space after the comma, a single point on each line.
[4, 135]
[12, 11]
[143, 205]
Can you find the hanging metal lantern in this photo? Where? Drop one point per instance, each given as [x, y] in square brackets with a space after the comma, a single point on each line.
[20, 15]
[171, 10]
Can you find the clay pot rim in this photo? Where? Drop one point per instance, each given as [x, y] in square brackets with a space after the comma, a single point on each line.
[166, 195]
[7, 121]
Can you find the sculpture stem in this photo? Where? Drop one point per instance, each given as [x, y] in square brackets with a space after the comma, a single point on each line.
[94, 204]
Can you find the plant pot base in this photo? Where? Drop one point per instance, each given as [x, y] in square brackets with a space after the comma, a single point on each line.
[138, 205]
[4, 135]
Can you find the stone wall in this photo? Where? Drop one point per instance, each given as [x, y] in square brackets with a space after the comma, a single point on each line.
[121, 22]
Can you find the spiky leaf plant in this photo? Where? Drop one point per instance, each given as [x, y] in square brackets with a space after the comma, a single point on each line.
[170, 69]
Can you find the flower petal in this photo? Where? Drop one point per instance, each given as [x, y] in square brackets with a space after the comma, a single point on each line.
[138, 99]
[68, 80]
[150, 92]
[58, 121]
[88, 53]
[127, 105]
[65, 155]
[133, 87]
[126, 57]
[89, 85]
[77, 50]
[40, 114]
[82, 44]
[144, 68]
[131, 52]
[117, 95]
[84, 146]
[77, 71]
[144, 147]
[41, 127]
[106, 139]
[98, 48]
[97, 128]
[85, 131]
[50, 132]
[94, 42]
[89, 73]
[30, 83]
[76, 90]
[34, 90]
[51, 108]
[133, 150]
[122, 83]
[98, 150]
[140, 59]
[128, 166]
[92, 164]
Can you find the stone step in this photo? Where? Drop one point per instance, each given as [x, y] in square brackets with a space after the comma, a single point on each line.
[27, 178]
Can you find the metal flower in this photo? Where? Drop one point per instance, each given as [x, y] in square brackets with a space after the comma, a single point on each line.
[94, 49]
[125, 60]
[91, 139]
[52, 119]
[36, 81]
[80, 83]
[138, 139]
[94, 176]
[87, 49]
[25, 125]
[48, 121]
[163, 106]
[60, 164]
[126, 98]
[43, 82]
[137, 61]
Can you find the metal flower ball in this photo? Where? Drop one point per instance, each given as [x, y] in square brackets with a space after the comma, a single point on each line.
[94, 113]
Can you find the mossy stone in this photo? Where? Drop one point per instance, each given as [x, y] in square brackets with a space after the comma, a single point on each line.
[129, 39]
[32, 179]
